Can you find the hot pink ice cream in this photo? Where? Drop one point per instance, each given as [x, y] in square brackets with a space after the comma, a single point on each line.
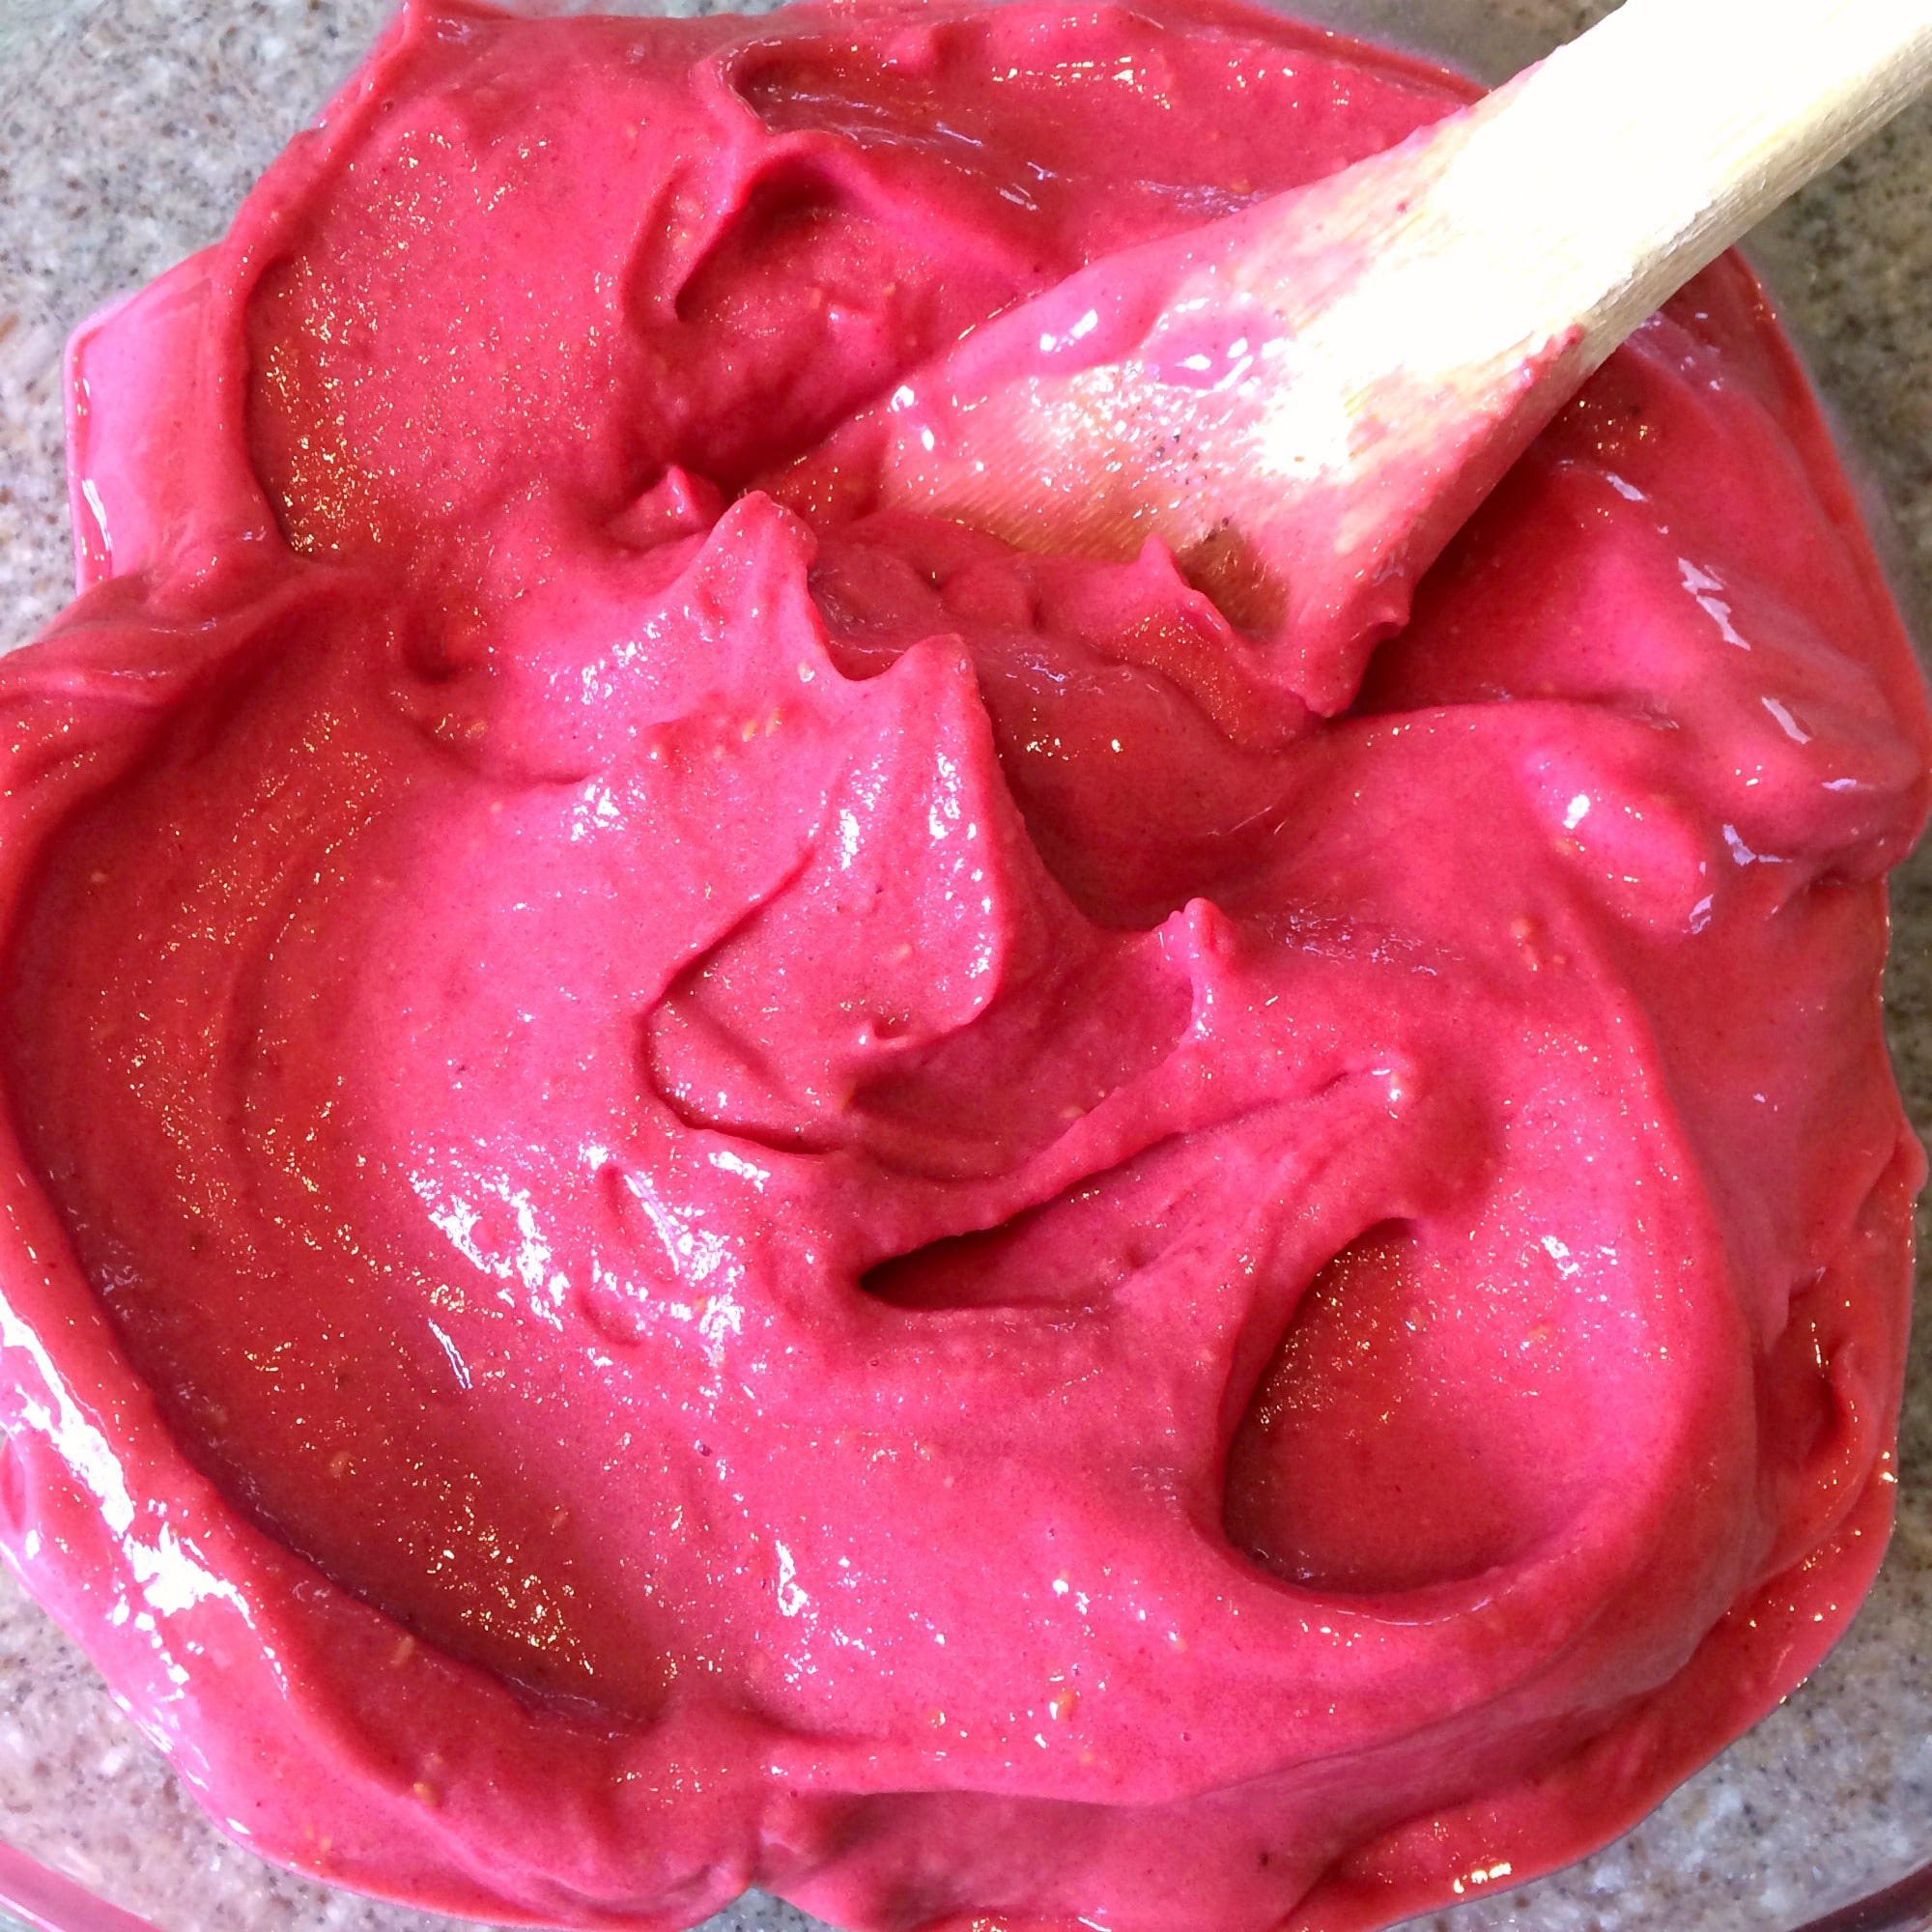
[698, 1199]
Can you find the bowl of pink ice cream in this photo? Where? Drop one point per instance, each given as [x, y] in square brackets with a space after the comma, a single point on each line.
[713, 1192]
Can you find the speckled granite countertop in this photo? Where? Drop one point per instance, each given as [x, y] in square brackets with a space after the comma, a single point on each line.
[129, 130]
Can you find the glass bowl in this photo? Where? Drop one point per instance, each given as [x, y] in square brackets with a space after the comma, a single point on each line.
[130, 130]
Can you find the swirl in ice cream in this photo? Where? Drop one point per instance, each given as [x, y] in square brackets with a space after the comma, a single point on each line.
[702, 1199]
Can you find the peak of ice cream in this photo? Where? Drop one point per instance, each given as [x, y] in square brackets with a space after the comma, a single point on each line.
[700, 1200]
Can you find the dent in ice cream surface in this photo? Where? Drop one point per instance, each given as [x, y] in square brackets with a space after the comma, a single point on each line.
[700, 1201]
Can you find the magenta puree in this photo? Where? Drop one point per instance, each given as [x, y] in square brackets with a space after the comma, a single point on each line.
[695, 1201]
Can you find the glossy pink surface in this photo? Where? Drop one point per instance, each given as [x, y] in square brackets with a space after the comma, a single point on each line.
[702, 1200]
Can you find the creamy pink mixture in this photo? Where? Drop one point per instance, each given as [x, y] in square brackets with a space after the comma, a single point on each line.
[697, 1201]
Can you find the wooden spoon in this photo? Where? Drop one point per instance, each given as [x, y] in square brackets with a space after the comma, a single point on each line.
[1305, 400]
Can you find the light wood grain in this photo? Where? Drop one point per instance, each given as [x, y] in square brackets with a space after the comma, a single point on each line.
[1303, 402]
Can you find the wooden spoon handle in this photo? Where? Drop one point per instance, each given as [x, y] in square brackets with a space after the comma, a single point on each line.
[1594, 184]
[1491, 265]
